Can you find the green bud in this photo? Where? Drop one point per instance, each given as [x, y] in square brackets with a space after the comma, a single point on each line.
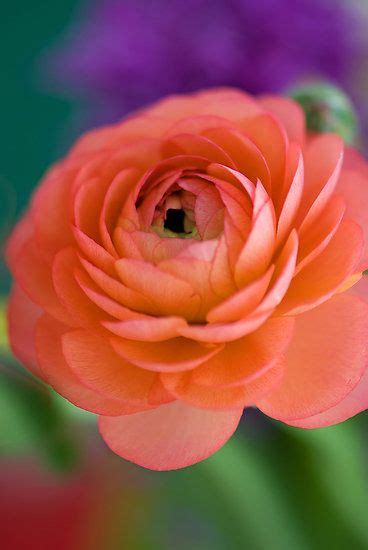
[327, 109]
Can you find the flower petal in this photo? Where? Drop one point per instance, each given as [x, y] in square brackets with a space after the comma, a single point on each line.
[182, 387]
[58, 374]
[33, 275]
[22, 317]
[146, 329]
[322, 276]
[169, 437]
[170, 295]
[353, 187]
[271, 139]
[242, 302]
[177, 354]
[289, 113]
[322, 163]
[325, 360]
[355, 402]
[69, 292]
[92, 359]
[245, 154]
[258, 249]
[246, 358]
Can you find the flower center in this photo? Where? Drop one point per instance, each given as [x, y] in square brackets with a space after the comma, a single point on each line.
[174, 217]
[175, 220]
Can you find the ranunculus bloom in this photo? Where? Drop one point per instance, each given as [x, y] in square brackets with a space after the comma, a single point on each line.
[193, 260]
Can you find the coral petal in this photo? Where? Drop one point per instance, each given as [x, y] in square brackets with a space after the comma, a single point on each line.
[246, 358]
[92, 359]
[325, 360]
[69, 292]
[22, 317]
[171, 295]
[271, 139]
[169, 437]
[239, 304]
[146, 329]
[289, 113]
[317, 281]
[220, 398]
[57, 373]
[353, 187]
[177, 354]
[322, 162]
[258, 248]
[355, 402]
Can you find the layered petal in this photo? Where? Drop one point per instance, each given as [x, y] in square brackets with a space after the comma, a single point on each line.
[95, 363]
[169, 437]
[22, 318]
[55, 370]
[183, 387]
[353, 188]
[178, 354]
[243, 360]
[325, 360]
[355, 402]
[318, 281]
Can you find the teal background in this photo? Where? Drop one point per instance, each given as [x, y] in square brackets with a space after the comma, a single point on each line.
[32, 121]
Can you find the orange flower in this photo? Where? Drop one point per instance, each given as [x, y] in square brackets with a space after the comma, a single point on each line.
[195, 259]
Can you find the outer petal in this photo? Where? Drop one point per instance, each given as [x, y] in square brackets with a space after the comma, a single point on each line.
[325, 360]
[322, 162]
[58, 374]
[94, 362]
[289, 113]
[246, 358]
[294, 180]
[245, 154]
[170, 437]
[22, 233]
[319, 280]
[178, 354]
[52, 202]
[315, 241]
[360, 288]
[192, 144]
[34, 277]
[181, 386]
[22, 317]
[353, 187]
[270, 137]
[258, 249]
[70, 293]
[354, 403]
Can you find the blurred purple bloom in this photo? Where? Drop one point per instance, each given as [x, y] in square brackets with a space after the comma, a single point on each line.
[122, 54]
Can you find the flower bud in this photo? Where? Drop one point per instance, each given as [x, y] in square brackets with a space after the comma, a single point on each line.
[327, 109]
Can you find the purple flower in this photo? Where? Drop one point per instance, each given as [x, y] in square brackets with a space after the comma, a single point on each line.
[122, 54]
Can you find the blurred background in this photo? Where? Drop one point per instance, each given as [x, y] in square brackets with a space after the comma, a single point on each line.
[66, 67]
